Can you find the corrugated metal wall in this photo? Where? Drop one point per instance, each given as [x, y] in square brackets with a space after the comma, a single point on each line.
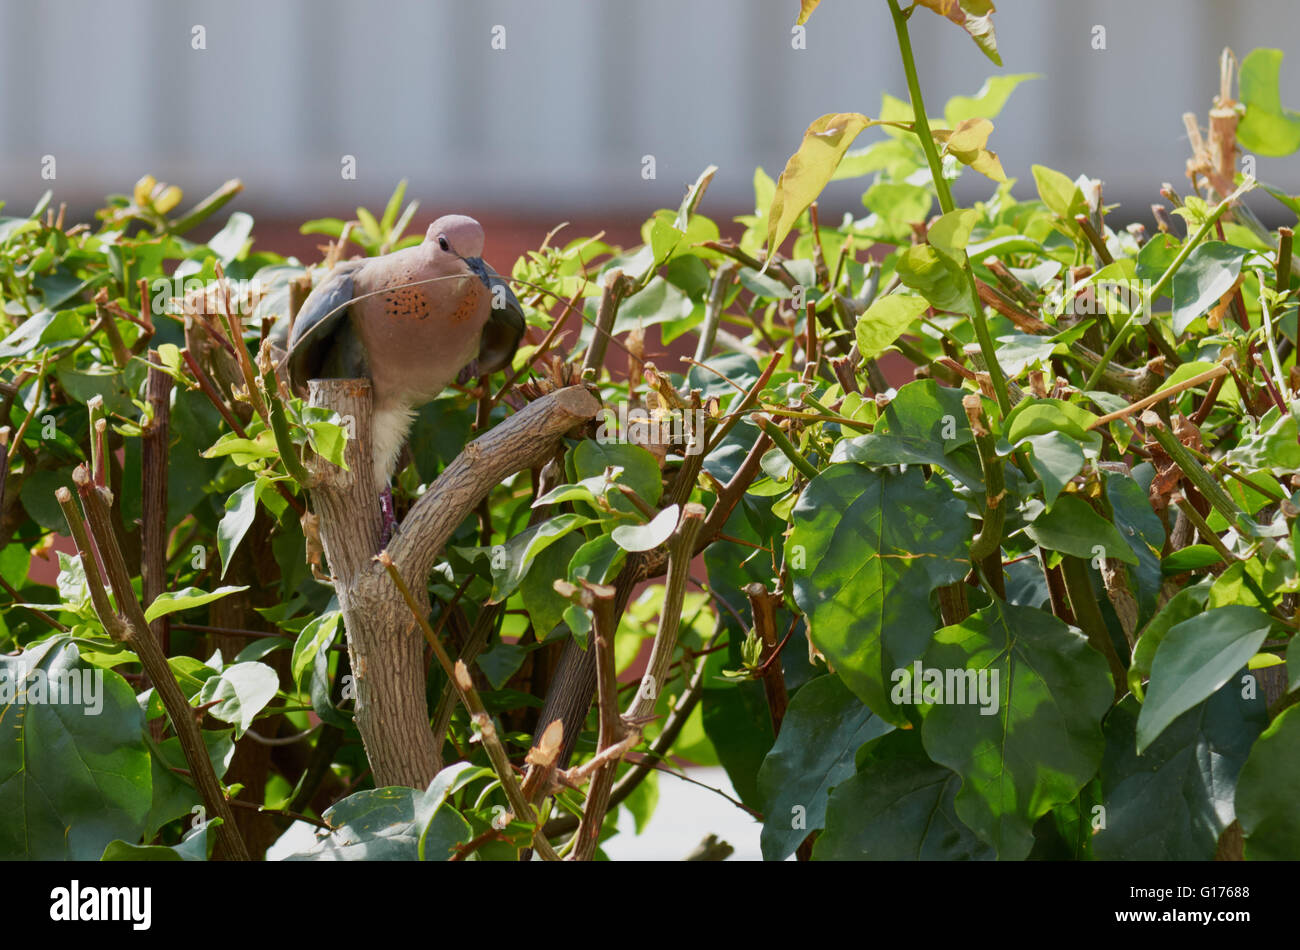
[561, 118]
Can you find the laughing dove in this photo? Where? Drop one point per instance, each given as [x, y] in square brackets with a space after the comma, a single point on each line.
[410, 322]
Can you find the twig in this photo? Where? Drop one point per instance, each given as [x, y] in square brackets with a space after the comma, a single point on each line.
[599, 599]
[722, 281]
[241, 350]
[616, 286]
[127, 625]
[681, 550]
[1219, 370]
[762, 605]
[673, 725]
[154, 454]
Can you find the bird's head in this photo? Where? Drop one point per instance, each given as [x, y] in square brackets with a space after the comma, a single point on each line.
[457, 237]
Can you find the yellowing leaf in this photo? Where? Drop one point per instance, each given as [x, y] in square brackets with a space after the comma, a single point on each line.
[809, 169]
[169, 199]
[885, 320]
[806, 7]
[973, 16]
[966, 144]
[143, 188]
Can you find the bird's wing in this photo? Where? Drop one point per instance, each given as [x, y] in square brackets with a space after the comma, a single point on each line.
[322, 343]
[504, 327]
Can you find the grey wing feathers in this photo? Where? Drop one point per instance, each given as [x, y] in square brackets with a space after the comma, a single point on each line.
[322, 344]
[504, 328]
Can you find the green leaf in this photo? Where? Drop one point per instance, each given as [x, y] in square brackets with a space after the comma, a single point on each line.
[509, 570]
[935, 276]
[328, 440]
[1266, 788]
[1273, 445]
[898, 205]
[1174, 801]
[1194, 557]
[169, 602]
[316, 637]
[240, 693]
[1072, 526]
[863, 575]
[393, 206]
[809, 169]
[885, 320]
[74, 773]
[588, 490]
[1206, 275]
[546, 607]
[1182, 606]
[913, 429]
[45, 329]
[369, 225]
[986, 103]
[173, 796]
[951, 232]
[197, 846]
[646, 537]
[1267, 128]
[229, 242]
[640, 470]
[597, 560]
[1039, 416]
[1057, 459]
[390, 824]
[824, 726]
[1142, 529]
[241, 508]
[333, 227]
[900, 807]
[1044, 741]
[657, 302]
[1061, 195]
[1194, 659]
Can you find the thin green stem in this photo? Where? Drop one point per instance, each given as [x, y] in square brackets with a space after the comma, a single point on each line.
[782, 442]
[922, 128]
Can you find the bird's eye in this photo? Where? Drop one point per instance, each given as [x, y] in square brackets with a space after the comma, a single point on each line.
[442, 243]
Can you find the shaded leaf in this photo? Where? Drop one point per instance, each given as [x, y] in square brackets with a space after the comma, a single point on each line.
[823, 728]
[1044, 741]
[1194, 659]
[864, 575]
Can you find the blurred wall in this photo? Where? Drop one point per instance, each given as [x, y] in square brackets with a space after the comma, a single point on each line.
[556, 124]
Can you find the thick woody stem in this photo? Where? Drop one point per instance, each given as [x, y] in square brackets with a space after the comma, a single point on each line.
[459, 676]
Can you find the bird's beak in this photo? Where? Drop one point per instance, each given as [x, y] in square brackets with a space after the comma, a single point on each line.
[479, 268]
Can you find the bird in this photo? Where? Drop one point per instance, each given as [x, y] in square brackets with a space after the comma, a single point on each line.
[411, 322]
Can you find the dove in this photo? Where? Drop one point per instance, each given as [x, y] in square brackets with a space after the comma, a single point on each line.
[411, 322]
